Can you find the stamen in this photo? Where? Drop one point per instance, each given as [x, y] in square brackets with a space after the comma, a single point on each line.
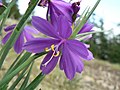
[57, 54]
[52, 47]
[49, 60]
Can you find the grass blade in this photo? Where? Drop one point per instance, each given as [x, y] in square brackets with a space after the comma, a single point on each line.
[18, 79]
[19, 68]
[84, 20]
[87, 33]
[21, 60]
[35, 82]
[12, 3]
[24, 84]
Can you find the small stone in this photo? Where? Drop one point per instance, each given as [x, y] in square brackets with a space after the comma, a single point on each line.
[88, 79]
[111, 87]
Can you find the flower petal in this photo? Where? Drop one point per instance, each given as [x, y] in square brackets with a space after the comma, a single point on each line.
[86, 28]
[87, 37]
[19, 44]
[4, 40]
[90, 56]
[30, 30]
[62, 8]
[64, 27]
[68, 63]
[50, 64]
[28, 35]
[1, 4]
[61, 63]
[44, 26]
[39, 44]
[53, 16]
[78, 48]
[9, 28]
[80, 66]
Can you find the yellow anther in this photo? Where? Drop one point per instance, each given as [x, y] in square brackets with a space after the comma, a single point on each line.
[52, 47]
[57, 54]
[46, 49]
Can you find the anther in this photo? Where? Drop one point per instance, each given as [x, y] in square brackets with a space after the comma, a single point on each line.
[57, 54]
[52, 47]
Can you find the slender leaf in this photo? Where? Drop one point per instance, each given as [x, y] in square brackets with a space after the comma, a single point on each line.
[19, 68]
[3, 21]
[24, 84]
[15, 65]
[18, 79]
[4, 87]
[12, 3]
[80, 25]
[35, 82]
[87, 33]
[81, 16]
[84, 20]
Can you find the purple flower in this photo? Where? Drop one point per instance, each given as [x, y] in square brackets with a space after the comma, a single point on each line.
[27, 33]
[76, 8]
[87, 28]
[59, 7]
[70, 52]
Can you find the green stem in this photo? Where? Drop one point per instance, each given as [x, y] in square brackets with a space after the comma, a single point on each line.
[35, 82]
[17, 70]
[12, 3]
[84, 20]
[16, 64]
[26, 78]
[22, 74]
[87, 33]
[3, 21]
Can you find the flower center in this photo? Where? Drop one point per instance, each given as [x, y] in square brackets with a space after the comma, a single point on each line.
[55, 53]
[55, 49]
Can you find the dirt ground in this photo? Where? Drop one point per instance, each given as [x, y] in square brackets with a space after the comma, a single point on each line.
[97, 75]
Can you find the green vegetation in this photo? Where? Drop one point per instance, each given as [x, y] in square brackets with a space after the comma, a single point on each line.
[105, 46]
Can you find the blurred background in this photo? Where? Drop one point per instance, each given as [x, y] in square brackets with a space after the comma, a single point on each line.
[102, 73]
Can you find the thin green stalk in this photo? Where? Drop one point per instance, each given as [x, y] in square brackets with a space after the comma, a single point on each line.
[18, 29]
[15, 61]
[16, 64]
[3, 21]
[19, 68]
[87, 33]
[22, 74]
[24, 84]
[84, 20]
[35, 82]
[80, 25]
[81, 16]
[12, 3]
